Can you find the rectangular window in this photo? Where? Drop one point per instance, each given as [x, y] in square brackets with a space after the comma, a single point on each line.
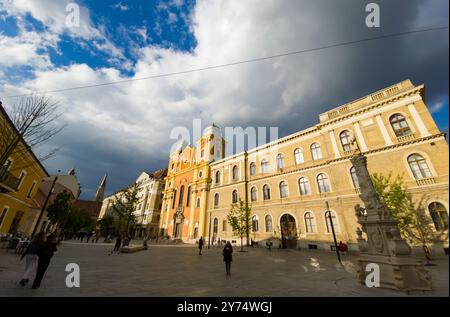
[30, 191]
[21, 178]
[3, 214]
[224, 225]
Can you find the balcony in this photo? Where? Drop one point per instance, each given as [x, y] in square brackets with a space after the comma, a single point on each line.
[405, 138]
[425, 181]
[8, 182]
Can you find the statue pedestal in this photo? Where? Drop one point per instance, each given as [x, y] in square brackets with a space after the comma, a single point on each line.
[398, 267]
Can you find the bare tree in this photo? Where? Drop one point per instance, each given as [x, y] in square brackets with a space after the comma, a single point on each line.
[31, 122]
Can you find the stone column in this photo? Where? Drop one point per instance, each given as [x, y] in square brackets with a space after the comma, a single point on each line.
[334, 144]
[418, 120]
[384, 247]
[191, 216]
[203, 211]
[360, 138]
[384, 132]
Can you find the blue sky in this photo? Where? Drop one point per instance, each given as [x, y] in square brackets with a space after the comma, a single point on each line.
[124, 129]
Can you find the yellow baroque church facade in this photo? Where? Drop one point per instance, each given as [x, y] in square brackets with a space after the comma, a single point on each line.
[294, 182]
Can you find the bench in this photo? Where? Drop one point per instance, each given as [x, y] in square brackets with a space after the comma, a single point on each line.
[132, 248]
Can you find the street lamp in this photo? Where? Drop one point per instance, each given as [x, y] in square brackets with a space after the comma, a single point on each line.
[44, 206]
[209, 233]
[332, 230]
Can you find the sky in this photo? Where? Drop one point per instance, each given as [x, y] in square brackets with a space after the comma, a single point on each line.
[125, 129]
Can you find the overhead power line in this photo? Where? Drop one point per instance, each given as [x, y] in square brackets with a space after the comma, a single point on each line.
[237, 62]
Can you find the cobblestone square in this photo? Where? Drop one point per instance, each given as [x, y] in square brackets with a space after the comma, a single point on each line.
[178, 270]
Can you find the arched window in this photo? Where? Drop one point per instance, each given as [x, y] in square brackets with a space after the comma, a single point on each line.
[174, 197]
[439, 215]
[235, 172]
[322, 181]
[264, 166]
[298, 155]
[334, 220]
[310, 222]
[253, 194]
[188, 198]
[268, 221]
[234, 197]
[216, 199]
[419, 166]
[316, 152]
[346, 139]
[180, 199]
[266, 192]
[284, 190]
[280, 161]
[355, 179]
[215, 226]
[255, 224]
[218, 177]
[252, 168]
[197, 205]
[303, 185]
[399, 125]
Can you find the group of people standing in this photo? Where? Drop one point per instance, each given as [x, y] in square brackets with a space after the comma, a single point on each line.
[226, 253]
[40, 251]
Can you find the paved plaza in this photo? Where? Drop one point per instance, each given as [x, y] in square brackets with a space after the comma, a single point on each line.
[178, 270]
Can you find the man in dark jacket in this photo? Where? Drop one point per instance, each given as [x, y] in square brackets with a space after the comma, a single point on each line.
[200, 245]
[45, 253]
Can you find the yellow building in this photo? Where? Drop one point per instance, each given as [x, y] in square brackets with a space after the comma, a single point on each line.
[291, 179]
[20, 178]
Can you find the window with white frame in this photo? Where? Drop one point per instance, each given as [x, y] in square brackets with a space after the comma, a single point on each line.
[298, 155]
[316, 151]
[280, 161]
[355, 179]
[234, 196]
[253, 194]
[266, 192]
[252, 169]
[346, 140]
[264, 166]
[399, 125]
[333, 220]
[268, 221]
[323, 183]
[304, 187]
[419, 166]
[284, 189]
[310, 222]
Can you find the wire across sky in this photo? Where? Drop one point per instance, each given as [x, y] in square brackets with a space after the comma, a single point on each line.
[391, 35]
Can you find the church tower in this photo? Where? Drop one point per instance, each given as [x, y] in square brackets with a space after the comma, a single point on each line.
[211, 146]
[101, 189]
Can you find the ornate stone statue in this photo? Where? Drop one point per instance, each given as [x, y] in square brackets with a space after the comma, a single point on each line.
[399, 269]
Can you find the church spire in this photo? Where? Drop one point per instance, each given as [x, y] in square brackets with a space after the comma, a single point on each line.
[101, 189]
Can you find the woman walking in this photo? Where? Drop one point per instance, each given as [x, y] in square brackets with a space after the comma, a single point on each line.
[227, 257]
[31, 257]
[200, 245]
[45, 253]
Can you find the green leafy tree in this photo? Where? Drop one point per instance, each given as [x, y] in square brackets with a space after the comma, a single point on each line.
[106, 224]
[239, 219]
[124, 205]
[79, 219]
[59, 209]
[414, 223]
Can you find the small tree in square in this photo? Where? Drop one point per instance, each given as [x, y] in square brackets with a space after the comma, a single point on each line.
[59, 210]
[239, 219]
[124, 206]
[414, 223]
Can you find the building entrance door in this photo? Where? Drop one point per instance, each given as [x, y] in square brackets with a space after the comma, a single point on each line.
[288, 232]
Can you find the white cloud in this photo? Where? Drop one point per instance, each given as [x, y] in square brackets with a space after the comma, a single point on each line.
[133, 120]
[121, 6]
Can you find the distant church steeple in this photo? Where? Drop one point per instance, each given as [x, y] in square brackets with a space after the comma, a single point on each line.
[101, 189]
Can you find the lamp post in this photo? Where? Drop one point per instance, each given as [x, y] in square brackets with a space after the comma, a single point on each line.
[209, 232]
[44, 206]
[332, 230]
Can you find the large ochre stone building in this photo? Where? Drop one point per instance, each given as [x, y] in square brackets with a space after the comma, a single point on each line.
[289, 181]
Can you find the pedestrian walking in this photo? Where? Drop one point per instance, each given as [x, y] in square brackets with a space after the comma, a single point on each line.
[227, 256]
[117, 245]
[31, 257]
[45, 253]
[200, 245]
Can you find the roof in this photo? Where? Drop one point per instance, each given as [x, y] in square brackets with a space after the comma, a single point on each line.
[91, 206]
[5, 114]
[159, 174]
